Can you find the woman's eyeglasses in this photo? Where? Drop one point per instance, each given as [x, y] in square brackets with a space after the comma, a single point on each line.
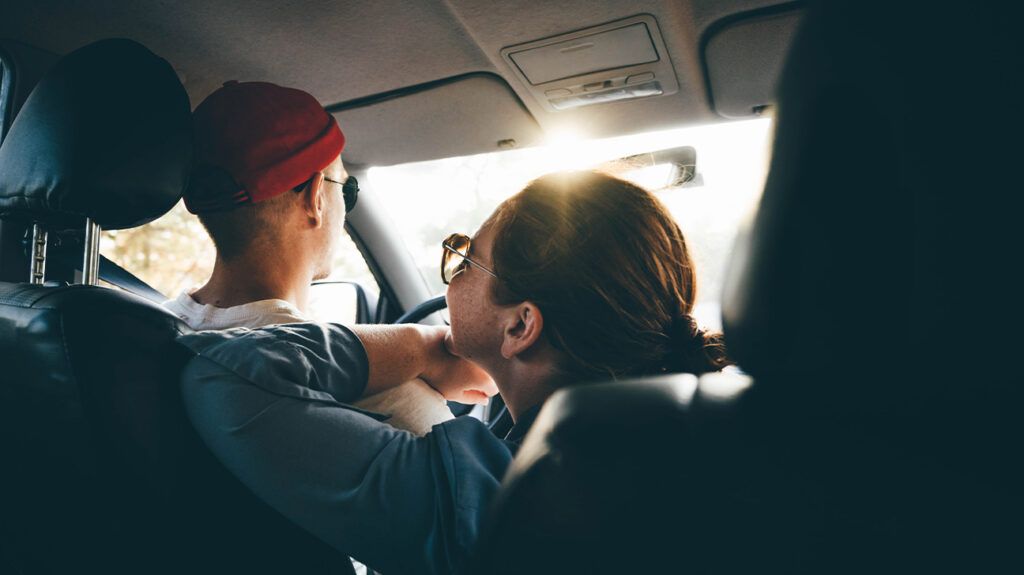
[455, 257]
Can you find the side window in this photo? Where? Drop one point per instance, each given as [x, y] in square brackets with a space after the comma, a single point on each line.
[174, 254]
[350, 294]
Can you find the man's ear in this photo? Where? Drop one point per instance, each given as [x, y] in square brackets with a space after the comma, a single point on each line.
[522, 330]
[313, 200]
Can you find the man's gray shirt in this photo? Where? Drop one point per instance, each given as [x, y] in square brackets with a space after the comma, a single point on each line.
[273, 404]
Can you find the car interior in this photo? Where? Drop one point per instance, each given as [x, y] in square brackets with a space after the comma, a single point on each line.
[870, 425]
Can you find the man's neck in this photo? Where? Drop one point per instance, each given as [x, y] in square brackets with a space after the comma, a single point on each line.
[248, 279]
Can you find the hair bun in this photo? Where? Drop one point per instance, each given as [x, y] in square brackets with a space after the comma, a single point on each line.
[694, 350]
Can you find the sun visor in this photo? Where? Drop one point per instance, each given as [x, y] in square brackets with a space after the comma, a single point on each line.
[617, 61]
[470, 114]
[743, 58]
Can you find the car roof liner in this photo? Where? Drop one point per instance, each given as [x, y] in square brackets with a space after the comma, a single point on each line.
[348, 51]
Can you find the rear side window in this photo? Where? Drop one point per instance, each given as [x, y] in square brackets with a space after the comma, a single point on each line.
[174, 254]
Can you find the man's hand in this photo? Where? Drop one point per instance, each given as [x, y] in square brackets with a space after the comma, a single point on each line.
[455, 378]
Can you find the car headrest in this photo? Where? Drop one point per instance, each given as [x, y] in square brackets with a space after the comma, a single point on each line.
[854, 260]
[798, 299]
[105, 135]
[615, 478]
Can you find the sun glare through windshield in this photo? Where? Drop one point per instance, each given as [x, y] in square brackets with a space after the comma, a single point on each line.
[429, 200]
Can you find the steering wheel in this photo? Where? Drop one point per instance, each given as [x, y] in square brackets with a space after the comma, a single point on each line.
[421, 311]
[499, 421]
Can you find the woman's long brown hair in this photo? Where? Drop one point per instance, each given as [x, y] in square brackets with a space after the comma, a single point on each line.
[609, 268]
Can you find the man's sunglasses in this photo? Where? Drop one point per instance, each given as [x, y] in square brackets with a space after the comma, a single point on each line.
[349, 189]
[454, 257]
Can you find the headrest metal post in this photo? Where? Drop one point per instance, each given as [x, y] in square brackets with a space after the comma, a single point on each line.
[91, 261]
[37, 271]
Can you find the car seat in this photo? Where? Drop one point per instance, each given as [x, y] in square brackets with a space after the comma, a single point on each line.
[879, 430]
[102, 471]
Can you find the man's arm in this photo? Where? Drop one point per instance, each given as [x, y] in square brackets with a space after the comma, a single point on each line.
[398, 353]
[346, 362]
[398, 503]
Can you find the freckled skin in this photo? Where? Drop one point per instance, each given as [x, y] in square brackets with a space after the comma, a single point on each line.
[501, 339]
[476, 330]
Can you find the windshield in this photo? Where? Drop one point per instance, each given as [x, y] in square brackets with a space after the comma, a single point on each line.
[430, 200]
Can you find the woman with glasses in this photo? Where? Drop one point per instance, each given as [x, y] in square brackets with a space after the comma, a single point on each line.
[580, 277]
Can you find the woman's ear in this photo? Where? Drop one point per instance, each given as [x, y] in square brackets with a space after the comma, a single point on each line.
[313, 200]
[522, 330]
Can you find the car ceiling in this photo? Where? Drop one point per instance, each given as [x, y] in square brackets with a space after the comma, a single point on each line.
[346, 51]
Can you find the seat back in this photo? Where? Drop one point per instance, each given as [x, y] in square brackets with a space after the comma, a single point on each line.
[874, 290]
[101, 461]
[103, 472]
[643, 476]
[881, 428]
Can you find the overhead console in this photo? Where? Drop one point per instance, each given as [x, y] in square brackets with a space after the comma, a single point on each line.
[743, 58]
[612, 62]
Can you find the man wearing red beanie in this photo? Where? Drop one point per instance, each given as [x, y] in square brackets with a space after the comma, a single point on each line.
[270, 188]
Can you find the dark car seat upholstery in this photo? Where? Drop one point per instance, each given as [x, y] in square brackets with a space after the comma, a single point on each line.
[645, 476]
[102, 472]
[23, 67]
[882, 428]
[874, 291]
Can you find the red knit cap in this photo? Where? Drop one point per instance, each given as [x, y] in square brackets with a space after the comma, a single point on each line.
[268, 139]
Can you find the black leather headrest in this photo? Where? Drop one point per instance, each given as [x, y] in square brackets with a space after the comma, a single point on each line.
[105, 135]
[833, 223]
[857, 258]
[627, 477]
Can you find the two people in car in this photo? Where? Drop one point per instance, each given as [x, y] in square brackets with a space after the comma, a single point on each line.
[580, 277]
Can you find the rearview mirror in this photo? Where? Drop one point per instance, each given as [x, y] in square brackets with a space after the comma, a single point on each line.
[669, 168]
